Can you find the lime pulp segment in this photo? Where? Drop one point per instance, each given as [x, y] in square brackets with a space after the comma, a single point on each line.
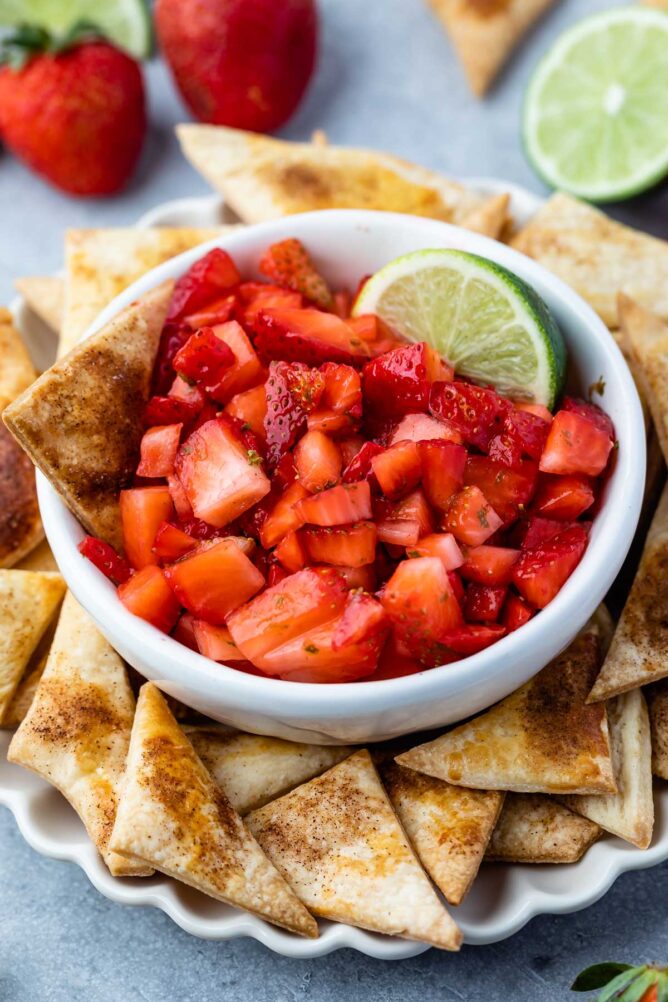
[488, 323]
[596, 110]
[127, 23]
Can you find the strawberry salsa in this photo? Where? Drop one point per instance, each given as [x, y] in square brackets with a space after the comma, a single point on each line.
[318, 500]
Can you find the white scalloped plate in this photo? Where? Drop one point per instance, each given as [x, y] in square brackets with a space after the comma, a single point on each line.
[503, 899]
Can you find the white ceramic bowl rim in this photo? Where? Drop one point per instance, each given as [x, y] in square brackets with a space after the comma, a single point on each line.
[615, 524]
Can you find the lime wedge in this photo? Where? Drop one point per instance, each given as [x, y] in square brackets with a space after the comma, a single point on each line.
[127, 23]
[484, 320]
[595, 118]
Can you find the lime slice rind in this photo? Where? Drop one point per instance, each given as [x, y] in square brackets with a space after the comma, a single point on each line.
[595, 121]
[481, 317]
[126, 23]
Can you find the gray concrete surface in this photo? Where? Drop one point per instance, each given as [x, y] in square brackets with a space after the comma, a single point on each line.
[386, 78]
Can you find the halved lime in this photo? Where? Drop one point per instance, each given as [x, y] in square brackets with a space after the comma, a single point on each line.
[488, 323]
[125, 22]
[596, 110]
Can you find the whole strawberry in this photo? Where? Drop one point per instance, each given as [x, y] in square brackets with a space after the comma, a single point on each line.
[76, 114]
[242, 63]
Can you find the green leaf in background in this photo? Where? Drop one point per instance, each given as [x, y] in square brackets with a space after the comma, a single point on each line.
[598, 976]
[127, 23]
[622, 983]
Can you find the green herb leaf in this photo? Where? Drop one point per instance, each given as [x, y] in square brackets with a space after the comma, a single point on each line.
[619, 986]
[254, 458]
[598, 976]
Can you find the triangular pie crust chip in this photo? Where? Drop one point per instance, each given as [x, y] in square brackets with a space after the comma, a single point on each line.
[534, 828]
[45, 295]
[28, 603]
[629, 813]
[253, 770]
[16, 369]
[339, 844]
[449, 826]
[39, 559]
[658, 713]
[638, 653]
[647, 336]
[264, 178]
[81, 421]
[173, 816]
[597, 256]
[25, 691]
[491, 218]
[485, 32]
[76, 733]
[541, 739]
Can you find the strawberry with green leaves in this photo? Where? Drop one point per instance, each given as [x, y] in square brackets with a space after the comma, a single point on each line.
[624, 983]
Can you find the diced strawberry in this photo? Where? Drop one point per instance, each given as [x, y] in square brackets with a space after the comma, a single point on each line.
[538, 410]
[283, 517]
[250, 407]
[173, 337]
[312, 657]
[200, 530]
[541, 530]
[575, 445]
[285, 420]
[398, 469]
[523, 436]
[359, 467]
[219, 478]
[442, 545]
[489, 565]
[184, 631]
[457, 586]
[215, 642]
[169, 410]
[471, 518]
[443, 465]
[484, 602]
[290, 553]
[255, 446]
[184, 389]
[516, 612]
[247, 370]
[475, 411]
[205, 281]
[158, 450]
[318, 461]
[340, 408]
[422, 606]
[338, 505]
[171, 543]
[472, 638]
[147, 595]
[285, 472]
[309, 336]
[306, 385]
[398, 382]
[218, 312]
[363, 577]
[143, 509]
[277, 573]
[367, 327]
[296, 605]
[179, 498]
[362, 617]
[349, 448]
[423, 428]
[404, 532]
[257, 296]
[507, 490]
[341, 545]
[592, 413]
[341, 303]
[105, 558]
[397, 520]
[563, 498]
[204, 358]
[289, 264]
[214, 580]
[540, 574]
[394, 662]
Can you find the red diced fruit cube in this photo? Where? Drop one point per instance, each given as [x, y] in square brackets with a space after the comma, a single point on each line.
[313, 658]
[472, 638]
[402, 523]
[306, 385]
[471, 518]
[423, 428]
[442, 467]
[398, 382]
[539, 574]
[285, 420]
[457, 586]
[338, 505]
[143, 510]
[158, 450]
[184, 631]
[476, 412]
[592, 413]
[541, 530]
[173, 336]
[219, 478]
[218, 312]
[442, 545]
[340, 407]
[341, 545]
[205, 281]
[268, 297]
[204, 358]
[147, 595]
[290, 553]
[349, 446]
[563, 498]
[359, 577]
[422, 606]
[105, 558]
[288, 263]
[575, 445]
[318, 461]
[170, 410]
[516, 612]
[489, 565]
[484, 602]
[359, 467]
[215, 642]
[245, 373]
[297, 604]
[398, 469]
[172, 543]
[214, 580]
[341, 303]
[538, 410]
[523, 436]
[507, 490]
[362, 617]
[179, 498]
[283, 517]
[308, 336]
[250, 407]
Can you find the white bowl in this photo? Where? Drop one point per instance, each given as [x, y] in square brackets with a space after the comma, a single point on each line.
[346, 245]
